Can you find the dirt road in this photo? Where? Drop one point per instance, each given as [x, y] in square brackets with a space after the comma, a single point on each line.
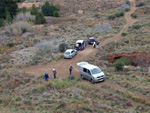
[63, 65]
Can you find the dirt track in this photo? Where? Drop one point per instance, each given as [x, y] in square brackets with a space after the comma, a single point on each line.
[63, 65]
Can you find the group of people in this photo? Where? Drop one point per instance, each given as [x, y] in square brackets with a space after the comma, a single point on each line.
[96, 44]
[46, 76]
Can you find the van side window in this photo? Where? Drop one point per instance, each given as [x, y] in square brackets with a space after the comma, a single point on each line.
[84, 70]
[89, 72]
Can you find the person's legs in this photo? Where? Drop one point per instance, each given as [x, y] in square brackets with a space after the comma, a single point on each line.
[54, 76]
[70, 72]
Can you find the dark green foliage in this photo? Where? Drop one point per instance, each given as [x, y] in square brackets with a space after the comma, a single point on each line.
[140, 4]
[111, 17]
[9, 19]
[19, 1]
[134, 15]
[62, 47]
[24, 10]
[39, 19]
[120, 14]
[136, 27]
[128, 2]
[56, 14]
[123, 34]
[10, 45]
[2, 22]
[8, 5]
[34, 10]
[118, 65]
[127, 9]
[48, 10]
[126, 61]
[86, 108]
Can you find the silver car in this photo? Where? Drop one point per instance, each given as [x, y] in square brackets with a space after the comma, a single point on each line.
[91, 72]
[69, 53]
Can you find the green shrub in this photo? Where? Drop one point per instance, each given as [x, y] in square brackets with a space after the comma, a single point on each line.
[128, 2]
[111, 17]
[56, 14]
[40, 19]
[123, 34]
[48, 10]
[86, 108]
[134, 15]
[120, 14]
[126, 61]
[10, 45]
[140, 4]
[119, 65]
[136, 27]
[62, 47]
[33, 10]
[23, 10]
[127, 9]
[2, 22]
[9, 19]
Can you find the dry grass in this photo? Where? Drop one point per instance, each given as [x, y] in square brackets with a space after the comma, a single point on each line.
[18, 28]
[23, 16]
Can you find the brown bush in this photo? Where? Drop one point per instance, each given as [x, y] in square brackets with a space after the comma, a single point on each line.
[23, 17]
[18, 28]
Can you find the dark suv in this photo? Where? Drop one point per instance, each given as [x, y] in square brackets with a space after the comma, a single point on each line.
[91, 40]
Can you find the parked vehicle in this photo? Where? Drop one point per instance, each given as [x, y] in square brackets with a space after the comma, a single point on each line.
[91, 72]
[91, 40]
[69, 53]
[79, 45]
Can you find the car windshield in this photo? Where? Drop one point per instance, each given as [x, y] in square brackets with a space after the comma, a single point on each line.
[92, 40]
[67, 53]
[96, 70]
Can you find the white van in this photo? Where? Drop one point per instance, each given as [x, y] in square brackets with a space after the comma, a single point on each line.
[91, 72]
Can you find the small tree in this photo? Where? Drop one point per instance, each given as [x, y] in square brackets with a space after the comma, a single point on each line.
[62, 47]
[9, 19]
[48, 9]
[34, 10]
[56, 14]
[119, 65]
[40, 19]
[1, 22]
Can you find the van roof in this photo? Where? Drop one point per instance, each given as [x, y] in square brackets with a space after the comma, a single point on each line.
[86, 65]
[79, 41]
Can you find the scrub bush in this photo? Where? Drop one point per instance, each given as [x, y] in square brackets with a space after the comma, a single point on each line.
[118, 65]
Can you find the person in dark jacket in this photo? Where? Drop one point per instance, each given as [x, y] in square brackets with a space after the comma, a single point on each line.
[70, 69]
[46, 76]
[54, 72]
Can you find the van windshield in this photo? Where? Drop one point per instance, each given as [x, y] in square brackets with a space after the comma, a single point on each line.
[96, 71]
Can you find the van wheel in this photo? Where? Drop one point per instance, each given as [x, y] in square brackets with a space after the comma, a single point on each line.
[82, 77]
[92, 81]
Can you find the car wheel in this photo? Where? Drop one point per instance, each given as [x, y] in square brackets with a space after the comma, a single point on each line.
[82, 77]
[92, 81]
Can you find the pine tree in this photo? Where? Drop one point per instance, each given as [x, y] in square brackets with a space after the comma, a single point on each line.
[8, 5]
[9, 19]
[34, 10]
[39, 19]
[56, 14]
[48, 9]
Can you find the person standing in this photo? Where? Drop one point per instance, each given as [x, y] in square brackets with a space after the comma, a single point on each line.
[94, 44]
[70, 69]
[54, 72]
[46, 76]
